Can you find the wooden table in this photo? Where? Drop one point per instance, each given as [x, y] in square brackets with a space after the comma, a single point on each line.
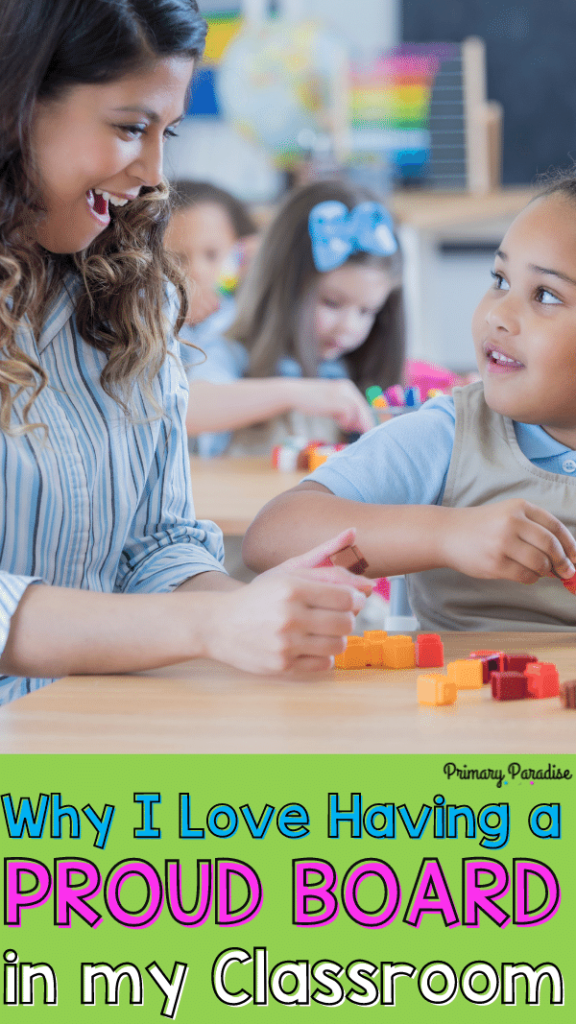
[205, 707]
[232, 491]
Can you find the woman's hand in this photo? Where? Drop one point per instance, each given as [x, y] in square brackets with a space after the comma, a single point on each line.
[294, 616]
[511, 540]
[338, 399]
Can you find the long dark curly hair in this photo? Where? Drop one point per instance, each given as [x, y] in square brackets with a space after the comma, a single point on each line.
[47, 48]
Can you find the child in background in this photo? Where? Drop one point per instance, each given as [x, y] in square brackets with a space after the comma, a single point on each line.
[319, 319]
[211, 233]
[103, 566]
[485, 480]
[209, 229]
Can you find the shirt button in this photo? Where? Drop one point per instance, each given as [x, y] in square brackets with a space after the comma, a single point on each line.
[569, 466]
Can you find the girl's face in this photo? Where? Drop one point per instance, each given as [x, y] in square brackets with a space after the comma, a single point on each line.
[525, 326]
[103, 139]
[346, 301]
[202, 237]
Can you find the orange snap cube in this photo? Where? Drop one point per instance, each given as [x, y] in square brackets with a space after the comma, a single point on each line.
[373, 653]
[399, 652]
[542, 679]
[355, 657]
[435, 689]
[374, 642]
[346, 659]
[466, 673]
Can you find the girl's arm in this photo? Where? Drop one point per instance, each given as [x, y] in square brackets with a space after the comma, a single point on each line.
[284, 619]
[229, 406]
[393, 538]
[505, 540]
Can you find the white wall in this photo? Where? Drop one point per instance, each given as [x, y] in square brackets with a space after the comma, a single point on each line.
[366, 24]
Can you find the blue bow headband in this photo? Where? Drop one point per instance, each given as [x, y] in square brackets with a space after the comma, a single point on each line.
[336, 232]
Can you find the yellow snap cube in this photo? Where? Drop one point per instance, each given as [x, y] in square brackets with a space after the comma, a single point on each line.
[434, 689]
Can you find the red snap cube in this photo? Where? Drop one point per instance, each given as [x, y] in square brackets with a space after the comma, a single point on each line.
[568, 694]
[492, 661]
[518, 662]
[429, 651]
[509, 685]
[570, 584]
[542, 679]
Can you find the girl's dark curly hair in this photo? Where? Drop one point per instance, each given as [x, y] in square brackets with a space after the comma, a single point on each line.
[46, 49]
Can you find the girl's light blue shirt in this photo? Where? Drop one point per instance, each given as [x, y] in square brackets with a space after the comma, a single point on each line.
[406, 461]
[104, 504]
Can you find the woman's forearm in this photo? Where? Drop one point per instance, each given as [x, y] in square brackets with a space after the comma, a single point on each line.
[393, 538]
[57, 631]
[292, 618]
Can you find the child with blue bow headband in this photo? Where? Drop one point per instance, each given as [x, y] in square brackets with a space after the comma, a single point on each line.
[320, 318]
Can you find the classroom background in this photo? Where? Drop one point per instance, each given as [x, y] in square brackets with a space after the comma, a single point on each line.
[452, 111]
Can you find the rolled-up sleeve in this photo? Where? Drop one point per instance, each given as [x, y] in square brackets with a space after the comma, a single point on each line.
[165, 543]
[11, 590]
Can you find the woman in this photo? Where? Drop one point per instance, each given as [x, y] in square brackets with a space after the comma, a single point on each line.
[103, 567]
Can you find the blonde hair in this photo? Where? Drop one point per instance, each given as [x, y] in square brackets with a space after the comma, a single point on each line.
[269, 322]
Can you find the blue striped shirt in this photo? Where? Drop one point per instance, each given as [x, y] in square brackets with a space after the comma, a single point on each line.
[105, 503]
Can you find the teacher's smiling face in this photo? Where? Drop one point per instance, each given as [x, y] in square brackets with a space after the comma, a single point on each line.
[96, 146]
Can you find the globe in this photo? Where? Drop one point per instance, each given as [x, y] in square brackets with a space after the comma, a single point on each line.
[281, 82]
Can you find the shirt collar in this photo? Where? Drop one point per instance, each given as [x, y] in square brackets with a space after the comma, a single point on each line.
[536, 443]
[61, 306]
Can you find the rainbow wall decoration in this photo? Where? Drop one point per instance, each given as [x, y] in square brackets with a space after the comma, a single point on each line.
[391, 104]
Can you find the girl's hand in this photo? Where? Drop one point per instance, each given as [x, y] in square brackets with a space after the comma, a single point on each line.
[511, 540]
[294, 616]
[339, 399]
